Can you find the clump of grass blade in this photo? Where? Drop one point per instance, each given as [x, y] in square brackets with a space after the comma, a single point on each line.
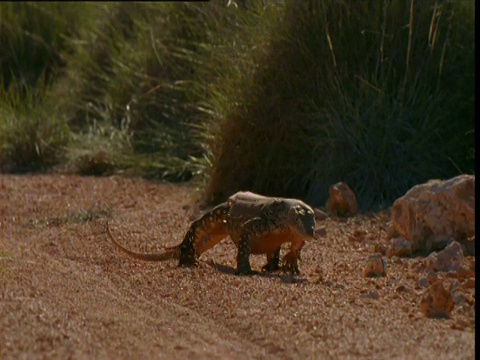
[362, 92]
[31, 138]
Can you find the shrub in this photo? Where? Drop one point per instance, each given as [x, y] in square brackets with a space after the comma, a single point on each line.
[32, 39]
[376, 94]
[30, 140]
[136, 72]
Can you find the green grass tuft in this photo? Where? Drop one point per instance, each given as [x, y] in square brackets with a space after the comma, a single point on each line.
[31, 138]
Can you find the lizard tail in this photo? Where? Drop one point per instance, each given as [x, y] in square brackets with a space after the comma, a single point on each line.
[169, 253]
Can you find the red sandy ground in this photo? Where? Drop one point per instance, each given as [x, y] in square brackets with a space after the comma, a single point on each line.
[66, 291]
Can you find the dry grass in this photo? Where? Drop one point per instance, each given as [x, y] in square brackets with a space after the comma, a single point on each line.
[67, 292]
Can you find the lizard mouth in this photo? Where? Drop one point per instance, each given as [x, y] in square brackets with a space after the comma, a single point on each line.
[307, 235]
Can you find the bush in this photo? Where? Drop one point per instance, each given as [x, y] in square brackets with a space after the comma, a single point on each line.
[32, 39]
[30, 139]
[137, 71]
[376, 94]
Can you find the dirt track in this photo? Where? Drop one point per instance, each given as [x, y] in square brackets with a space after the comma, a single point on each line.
[66, 292]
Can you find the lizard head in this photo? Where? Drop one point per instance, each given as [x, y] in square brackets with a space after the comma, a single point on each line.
[302, 217]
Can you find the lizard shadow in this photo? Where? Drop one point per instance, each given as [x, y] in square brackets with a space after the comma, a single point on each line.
[284, 277]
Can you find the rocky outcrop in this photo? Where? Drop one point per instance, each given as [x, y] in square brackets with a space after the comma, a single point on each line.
[437, 301]
[433, 214]
[375, 265]
[449, 259]
[398, 246]
[341, 200]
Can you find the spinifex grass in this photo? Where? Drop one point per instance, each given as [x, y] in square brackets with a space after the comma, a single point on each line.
[377, 94]
[125, 83]
[32, 38]
[31, 138]
[134, 73]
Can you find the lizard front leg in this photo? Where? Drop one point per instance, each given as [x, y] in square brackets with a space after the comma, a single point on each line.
[243, 256]
[251, 229]
[273, 261]
[290, 262]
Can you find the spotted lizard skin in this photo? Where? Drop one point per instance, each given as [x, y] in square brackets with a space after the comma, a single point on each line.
[256, 224]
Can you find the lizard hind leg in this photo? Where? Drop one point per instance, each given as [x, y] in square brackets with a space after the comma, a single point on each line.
[204, 233]
[188, 256]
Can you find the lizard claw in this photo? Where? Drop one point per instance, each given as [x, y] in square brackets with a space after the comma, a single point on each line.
[290, 262]
[291, 268]
[270, 267]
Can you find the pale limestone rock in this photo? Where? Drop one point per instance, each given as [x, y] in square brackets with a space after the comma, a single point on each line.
[459, 297]
[375, 266]
[341, 200]
[431, 214]
[377, 247]
[372, 294]
[464, 272]
[437, 301]
[398, 246]
[449, 259]
[428, 279]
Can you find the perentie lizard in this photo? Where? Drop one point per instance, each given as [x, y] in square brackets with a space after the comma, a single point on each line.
[257, 225]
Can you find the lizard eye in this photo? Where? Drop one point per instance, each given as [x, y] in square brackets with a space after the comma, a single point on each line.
[299, 210]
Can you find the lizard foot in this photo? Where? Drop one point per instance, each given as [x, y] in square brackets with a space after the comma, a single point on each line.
[290, 263]
[244, 270]
[270, 267]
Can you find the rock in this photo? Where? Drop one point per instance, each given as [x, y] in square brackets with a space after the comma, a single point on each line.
[469, 283]
[398, 246]
[464, 273]
[470, 262]
[454, 286]
[437, 302]
[416, 265]
[462, 323]
[428, 280]
[375, 266]
[431, 214]
[342, 200]
[372, 294]
[459, 297]
[377, 247]
[357, 235]
[449, 259]
[423, 282]
[403, 288]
